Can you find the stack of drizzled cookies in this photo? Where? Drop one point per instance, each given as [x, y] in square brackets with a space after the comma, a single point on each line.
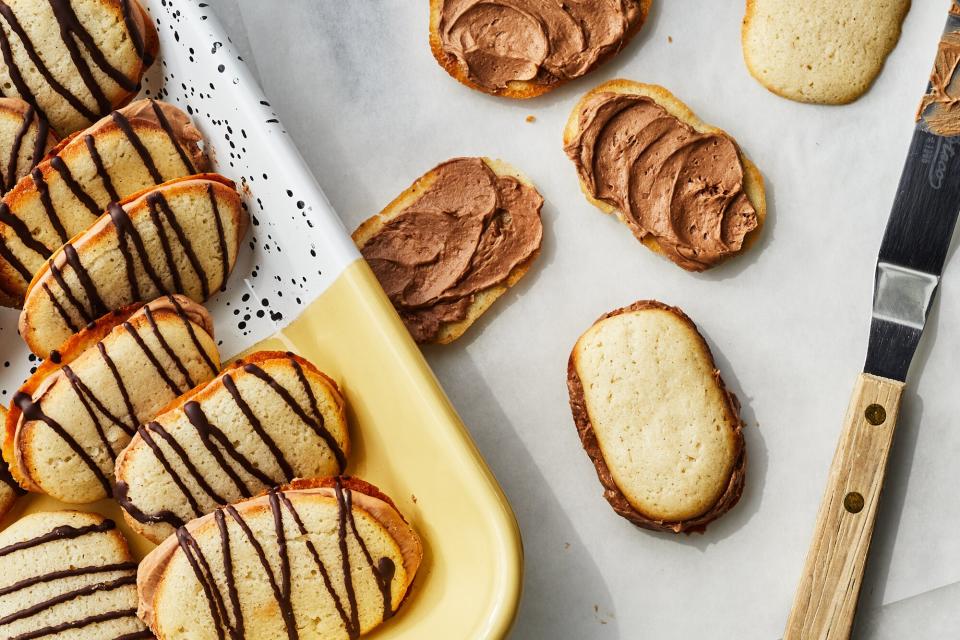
[113, 233]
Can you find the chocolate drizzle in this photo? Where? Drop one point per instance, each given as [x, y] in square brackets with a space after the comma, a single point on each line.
[77, 624]
[86, 397]
[44, 192]
[124, 125]
[63, 532]
[32, 412]
[40, 144]
[7, 478]
[97, 306]
[230, 623]
[19, 227]
[85, 199]
[135, 35]
[102, 172]
[315, 424]
[156, 200]
[67, 573]
[217, 444]
[66, 597]
[165, 124]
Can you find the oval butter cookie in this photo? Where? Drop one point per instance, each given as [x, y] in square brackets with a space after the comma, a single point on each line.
[67, 575]
[264, 421]
[316, 560]
[79, 410]
[656, 419]
[821, 51]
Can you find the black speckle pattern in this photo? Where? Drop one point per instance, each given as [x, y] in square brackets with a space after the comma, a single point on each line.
[295, 246]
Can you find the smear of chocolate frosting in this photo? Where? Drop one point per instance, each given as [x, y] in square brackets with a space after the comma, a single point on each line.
[940, 108]
[467, 231]
[540, 41]
[672, 183]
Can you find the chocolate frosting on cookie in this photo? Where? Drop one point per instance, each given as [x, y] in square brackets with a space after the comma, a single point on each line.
[467, 231]
[940, 108]
[683, 188]
[540, 41]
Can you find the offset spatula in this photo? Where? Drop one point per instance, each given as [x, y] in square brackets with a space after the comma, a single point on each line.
[911, 260]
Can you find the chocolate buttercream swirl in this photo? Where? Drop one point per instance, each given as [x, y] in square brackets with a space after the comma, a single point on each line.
[682, 188]
[544, 42]
[468, 230]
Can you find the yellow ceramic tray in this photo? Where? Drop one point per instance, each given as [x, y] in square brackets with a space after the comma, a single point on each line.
[300, 264]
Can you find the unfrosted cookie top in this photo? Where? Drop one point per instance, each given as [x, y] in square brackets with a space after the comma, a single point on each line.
[820, 51]
[670, 182]
[545, 42]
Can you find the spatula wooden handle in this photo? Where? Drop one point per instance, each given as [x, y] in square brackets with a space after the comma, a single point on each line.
[826, 598]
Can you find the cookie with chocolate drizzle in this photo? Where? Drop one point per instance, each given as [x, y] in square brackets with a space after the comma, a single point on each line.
[180, 237]
[74, 61]
[80, 409]
[67, 574]
[25, 138]
[265, 420]
[317, 559]
[142, 145]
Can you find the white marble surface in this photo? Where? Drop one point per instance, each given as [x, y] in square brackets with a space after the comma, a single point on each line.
[371, 110]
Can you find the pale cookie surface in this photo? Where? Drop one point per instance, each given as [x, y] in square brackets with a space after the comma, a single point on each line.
[266, 420]
[321, 560]
[142, 145]
[24, 139]
[181, 237]
[821, 51]
[69, 575]
[656, 419]
[75, 60]
[72, 420]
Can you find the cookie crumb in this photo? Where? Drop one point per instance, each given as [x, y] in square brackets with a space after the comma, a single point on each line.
[531, 118]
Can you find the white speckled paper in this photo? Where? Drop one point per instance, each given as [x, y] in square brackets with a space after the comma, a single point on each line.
[371, 110]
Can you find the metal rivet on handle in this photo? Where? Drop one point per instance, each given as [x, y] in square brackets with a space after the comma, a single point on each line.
[876, 415]
[853, 502]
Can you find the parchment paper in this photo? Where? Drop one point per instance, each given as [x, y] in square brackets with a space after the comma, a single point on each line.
[371, 110]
